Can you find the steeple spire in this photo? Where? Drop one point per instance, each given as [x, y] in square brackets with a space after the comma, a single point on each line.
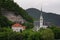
[41, 21]
[41, 10]
[41, 18]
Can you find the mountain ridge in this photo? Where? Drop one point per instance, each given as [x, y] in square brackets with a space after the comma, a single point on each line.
[51, 18]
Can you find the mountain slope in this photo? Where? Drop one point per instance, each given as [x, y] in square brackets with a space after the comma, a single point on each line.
[10, 5]
[49, 18]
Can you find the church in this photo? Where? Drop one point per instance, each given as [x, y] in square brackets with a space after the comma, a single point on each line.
[39, 24]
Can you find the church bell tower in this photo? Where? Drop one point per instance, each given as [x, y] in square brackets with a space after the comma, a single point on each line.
[41, 19]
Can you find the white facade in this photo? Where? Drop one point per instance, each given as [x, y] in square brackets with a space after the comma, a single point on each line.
[41, 20]
[17, 29]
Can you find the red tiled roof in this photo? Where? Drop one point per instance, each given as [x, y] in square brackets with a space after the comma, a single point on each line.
[17, 25]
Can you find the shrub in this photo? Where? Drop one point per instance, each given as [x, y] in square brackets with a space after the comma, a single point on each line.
[56, 31]
[43, 34]
[46, 34]
[31, 35]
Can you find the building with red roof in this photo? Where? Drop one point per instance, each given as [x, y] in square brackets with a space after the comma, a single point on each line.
[18, 27]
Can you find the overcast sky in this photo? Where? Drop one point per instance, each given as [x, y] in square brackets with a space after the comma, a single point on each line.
[47, 5]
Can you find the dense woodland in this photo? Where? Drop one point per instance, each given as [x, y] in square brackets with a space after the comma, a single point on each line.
[50, 33]
[10, 5]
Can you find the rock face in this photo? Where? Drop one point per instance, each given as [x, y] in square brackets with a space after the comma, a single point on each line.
[11, 16]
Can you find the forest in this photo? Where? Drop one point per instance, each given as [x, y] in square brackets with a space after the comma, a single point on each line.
[50, 33]
[10, 5]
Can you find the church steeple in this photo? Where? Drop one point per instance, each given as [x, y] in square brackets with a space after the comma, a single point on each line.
[41, 19]
[41, 11]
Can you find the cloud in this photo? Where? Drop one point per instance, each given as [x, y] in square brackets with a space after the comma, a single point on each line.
[47, 5]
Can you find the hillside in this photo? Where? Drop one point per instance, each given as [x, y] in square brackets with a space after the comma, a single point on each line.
[10, 5]
[49, 18]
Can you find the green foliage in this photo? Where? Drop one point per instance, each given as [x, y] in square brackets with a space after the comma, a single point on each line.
[4, 21]
[5, 33]
[43, 34]
[29, 34]
[56, 31]
[12, 6]
[46, 34]
[5, 29]
[28, 25]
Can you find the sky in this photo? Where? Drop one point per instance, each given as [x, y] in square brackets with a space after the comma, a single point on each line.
[47, 5]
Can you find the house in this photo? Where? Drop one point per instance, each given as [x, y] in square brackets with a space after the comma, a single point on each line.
[18, 27]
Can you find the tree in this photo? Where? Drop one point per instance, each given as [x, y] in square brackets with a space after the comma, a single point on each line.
[28, 25]
[4, 22]
[10, 5]
[56, 31]
[46, 34]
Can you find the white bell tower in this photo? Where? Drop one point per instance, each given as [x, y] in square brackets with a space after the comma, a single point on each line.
[41, 19]
[40, 22]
